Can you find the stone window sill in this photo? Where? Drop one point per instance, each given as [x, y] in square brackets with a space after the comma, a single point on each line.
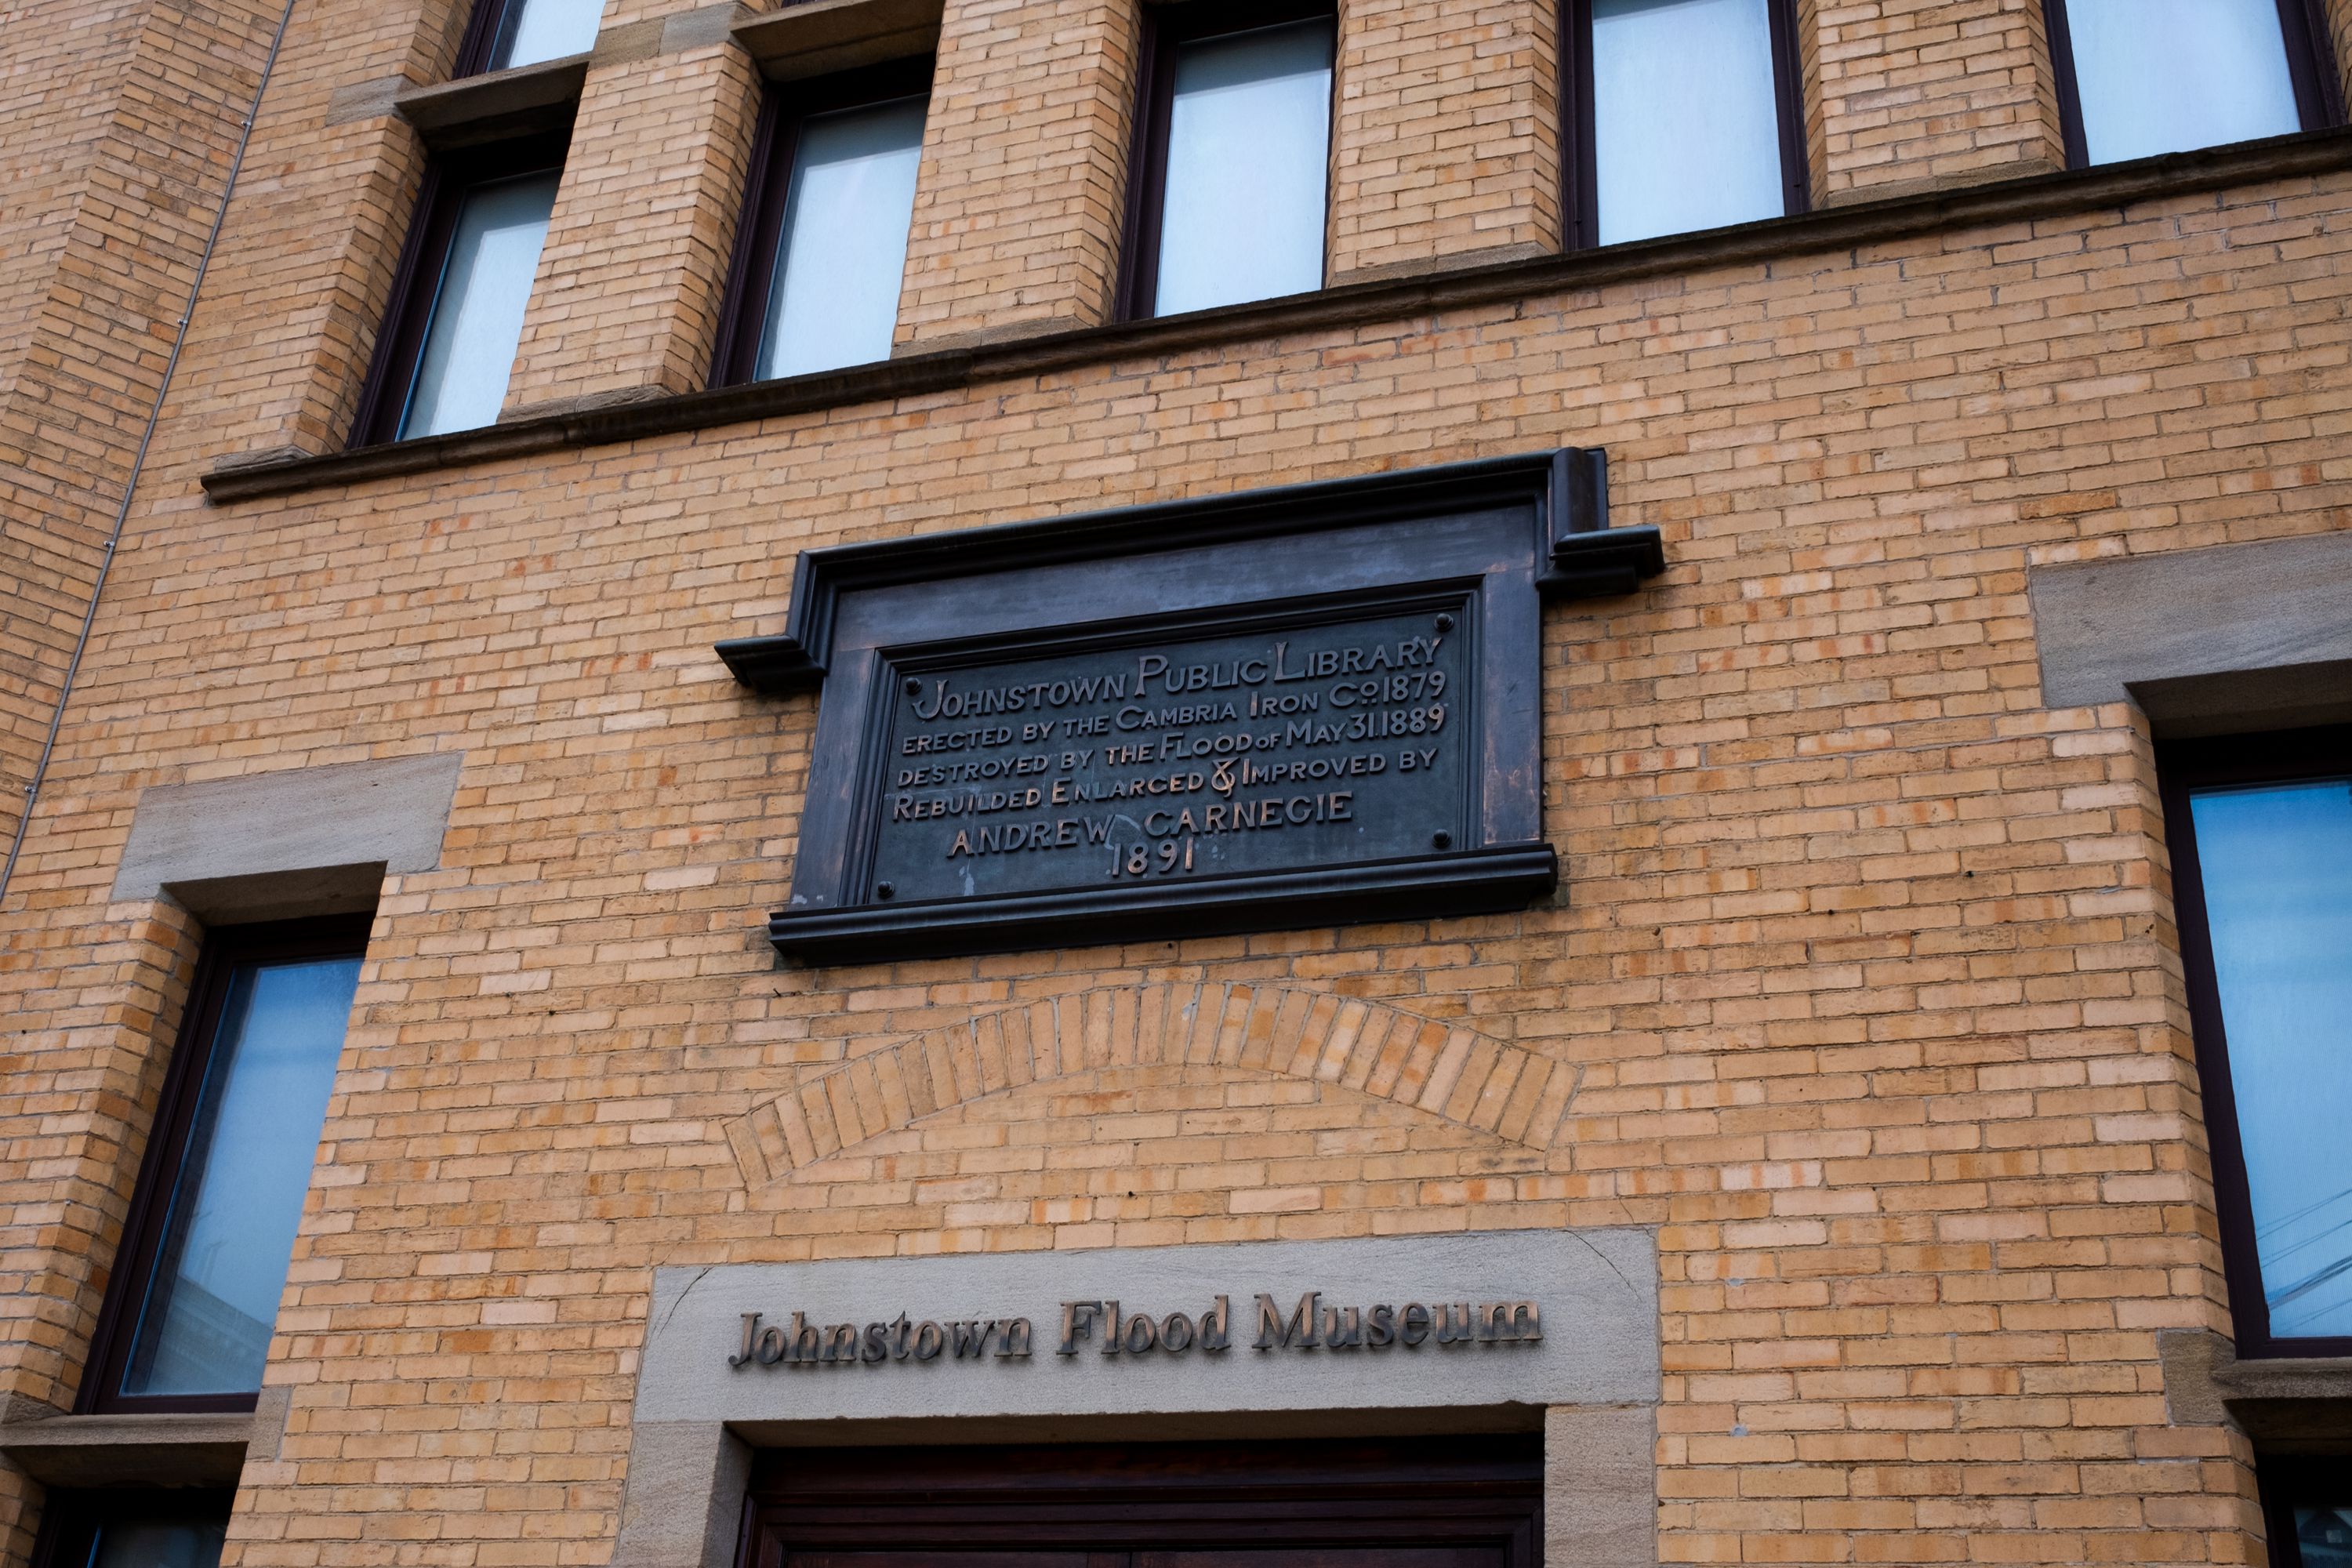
[2284, 1403]
[144, 1450]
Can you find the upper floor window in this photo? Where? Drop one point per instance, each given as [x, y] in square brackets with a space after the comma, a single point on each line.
[187, 1320]
[2261, 833]
[448, 346]
[2137, 78]
[509, 33]
[1232, 166]
[1684, 116]
[823, 248]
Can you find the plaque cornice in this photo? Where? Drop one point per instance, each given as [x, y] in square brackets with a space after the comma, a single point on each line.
[1582, 555]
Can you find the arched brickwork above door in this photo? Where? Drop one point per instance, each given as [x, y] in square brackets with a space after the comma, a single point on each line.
[1441, 1070]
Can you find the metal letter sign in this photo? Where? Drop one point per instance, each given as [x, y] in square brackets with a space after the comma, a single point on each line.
[1285, 707]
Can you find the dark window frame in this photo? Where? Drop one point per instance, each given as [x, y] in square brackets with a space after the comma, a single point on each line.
[2183, 767]
[2298, 1481]
[423, 262]
[481, 36]
[1113, 1500]
[1166, 27]
[751, 271]
[70, 1519]
[2310, 61]
[1580, 163]
[225, 951]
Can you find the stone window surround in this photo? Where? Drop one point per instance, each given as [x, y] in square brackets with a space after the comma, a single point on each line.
[696, 1422]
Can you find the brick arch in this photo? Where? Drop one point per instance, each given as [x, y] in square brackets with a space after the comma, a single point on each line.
[1441, 1070]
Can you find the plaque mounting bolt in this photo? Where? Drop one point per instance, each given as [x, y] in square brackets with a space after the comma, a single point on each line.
[1442, 839]
[1446, 622]
[913, 686]
[883, 889]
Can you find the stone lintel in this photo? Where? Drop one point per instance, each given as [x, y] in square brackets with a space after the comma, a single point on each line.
[300, 841]
[124, 1450]
[2232, 638]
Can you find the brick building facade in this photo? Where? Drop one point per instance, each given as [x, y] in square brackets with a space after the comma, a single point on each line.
[2003, 490]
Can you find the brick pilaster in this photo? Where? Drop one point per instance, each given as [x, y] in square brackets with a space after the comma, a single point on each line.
[1445, 142]
[1021, 199]
[1910, 95]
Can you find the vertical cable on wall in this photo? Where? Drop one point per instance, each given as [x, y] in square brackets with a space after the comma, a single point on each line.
[139, 459]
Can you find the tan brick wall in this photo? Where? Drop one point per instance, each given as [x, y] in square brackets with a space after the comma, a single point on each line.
[1445, 142]
[58, 79]
[1019, 203]
[628, 298]
[117, 126]
[1910, 95]
[1863, 988]
[1865, 969]
[76, 1118]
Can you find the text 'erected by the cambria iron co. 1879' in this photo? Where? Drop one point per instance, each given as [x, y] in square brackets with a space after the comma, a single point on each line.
[1311, 744]
[1106, 1327]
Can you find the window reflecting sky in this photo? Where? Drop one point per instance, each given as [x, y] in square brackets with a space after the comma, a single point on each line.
[2277, 867]
[1249, 142]
[2163, 76]
[1686, 125]
[842, 255]
[469, 346]
[237, 1198]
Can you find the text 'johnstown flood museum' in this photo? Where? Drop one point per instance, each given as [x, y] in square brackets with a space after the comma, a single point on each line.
[1175, 783]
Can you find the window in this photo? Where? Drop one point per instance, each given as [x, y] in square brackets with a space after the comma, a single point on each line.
[449, 344]
[2137, 78]
[188, 1320]
[2308, 1502]
[824, 246]
[2260, 831]
[1229, 192]
[508, 33]
[1683, 114]
[175, 1529]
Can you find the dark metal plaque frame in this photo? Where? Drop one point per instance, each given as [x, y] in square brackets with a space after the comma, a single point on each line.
[1496, 537]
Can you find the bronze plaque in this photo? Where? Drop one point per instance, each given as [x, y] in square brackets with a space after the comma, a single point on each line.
[1137, 763]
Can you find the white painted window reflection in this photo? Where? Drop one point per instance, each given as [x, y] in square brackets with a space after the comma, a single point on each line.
[1249, 139]
[476, 321]
[536, 30]
[1685, 113]
[2164, 76]
[2277, 869]
[842, 254]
